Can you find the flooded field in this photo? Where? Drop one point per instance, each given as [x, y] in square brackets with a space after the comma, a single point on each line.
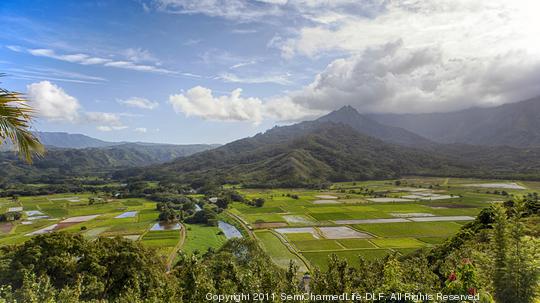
[160, 226]
[128, 214]
[229, 230]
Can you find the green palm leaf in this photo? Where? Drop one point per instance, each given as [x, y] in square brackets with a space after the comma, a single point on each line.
[15, 117]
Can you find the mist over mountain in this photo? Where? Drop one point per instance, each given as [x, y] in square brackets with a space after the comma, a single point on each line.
[364, 124]
[514, 124]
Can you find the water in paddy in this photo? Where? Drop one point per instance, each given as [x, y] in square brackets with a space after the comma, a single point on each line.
[165, 226]
[229, 231]
[128, 214]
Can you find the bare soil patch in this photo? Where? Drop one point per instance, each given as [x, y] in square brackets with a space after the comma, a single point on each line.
[5, 228]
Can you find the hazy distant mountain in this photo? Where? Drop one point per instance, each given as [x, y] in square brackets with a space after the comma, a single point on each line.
[515, 124]
[362, 123]
[66, 140]
[63, 163]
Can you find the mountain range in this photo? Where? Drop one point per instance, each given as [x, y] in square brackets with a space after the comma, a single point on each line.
[514, 124]
[304, 153]
[79, 155]
[343, 145]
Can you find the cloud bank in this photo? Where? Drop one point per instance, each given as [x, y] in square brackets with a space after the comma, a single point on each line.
[395, 56]
[200, 102]
[52, 103]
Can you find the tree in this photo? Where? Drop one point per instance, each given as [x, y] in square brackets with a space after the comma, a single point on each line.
[259, 202]
[15, 117]
[168, 215]
[516, 274]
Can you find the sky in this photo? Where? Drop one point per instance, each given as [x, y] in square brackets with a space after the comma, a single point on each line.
[213, 71]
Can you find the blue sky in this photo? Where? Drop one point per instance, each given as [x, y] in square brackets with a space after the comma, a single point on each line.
[181, 71]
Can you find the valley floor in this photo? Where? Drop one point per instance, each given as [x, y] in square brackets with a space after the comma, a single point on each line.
[368, 219]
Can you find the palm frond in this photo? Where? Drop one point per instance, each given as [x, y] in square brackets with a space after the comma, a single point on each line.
[15, 117]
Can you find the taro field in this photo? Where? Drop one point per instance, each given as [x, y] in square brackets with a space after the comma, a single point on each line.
[134, 219]
[368, 219]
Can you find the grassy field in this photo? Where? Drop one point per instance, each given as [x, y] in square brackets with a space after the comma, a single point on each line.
[425, 197]
[279, 253]
[200, 238]
[411, 229]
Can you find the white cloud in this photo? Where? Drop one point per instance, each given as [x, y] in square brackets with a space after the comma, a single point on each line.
[460, 27]
[52, 102]
[200, 102]
[141, 129]
[397, 56]
[84, 59]
[109, 119]
[105, 128]
[269, 10]
[140, 55]
[284, 110]
[243, 31]
[387, 78]
[394, 78]
[238, 10]
[242, 64]
[140, 103]
[52, 74]
[277, 79]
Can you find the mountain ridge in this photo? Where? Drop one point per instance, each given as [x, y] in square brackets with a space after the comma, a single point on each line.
[364, 124]
[304, 153]
[514, 124]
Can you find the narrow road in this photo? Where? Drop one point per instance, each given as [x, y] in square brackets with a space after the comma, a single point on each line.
[178, 246]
